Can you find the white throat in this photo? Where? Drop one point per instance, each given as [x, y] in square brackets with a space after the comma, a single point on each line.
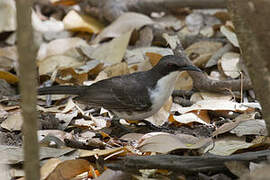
[163, 90]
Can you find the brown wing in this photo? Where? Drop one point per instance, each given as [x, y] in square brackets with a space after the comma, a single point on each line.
[118, 93]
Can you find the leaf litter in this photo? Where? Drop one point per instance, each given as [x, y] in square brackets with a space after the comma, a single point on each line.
[85, 135]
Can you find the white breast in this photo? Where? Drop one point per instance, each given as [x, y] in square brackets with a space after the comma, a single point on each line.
[163, 90]
[159, 95]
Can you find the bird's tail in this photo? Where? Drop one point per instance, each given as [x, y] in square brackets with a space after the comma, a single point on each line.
[76, 90]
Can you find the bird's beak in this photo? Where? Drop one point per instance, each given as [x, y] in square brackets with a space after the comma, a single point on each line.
[191, 68]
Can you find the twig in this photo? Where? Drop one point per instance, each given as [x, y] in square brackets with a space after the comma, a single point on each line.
[202, 82]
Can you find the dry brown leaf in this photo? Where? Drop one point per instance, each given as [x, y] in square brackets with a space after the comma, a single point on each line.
[231, 125]
[59, 47]
[64, 2]
[127, 22]
[216, 105]
[153, 57]
[8, 58]
[230, 35]
[131, 137]
[229, 64]
[117, 69]
[49, 167]
[198, 96]
[112, 52]
[62, 135]
[99, 152]
[228, 145]
[164, 142]
[78, 22]
[9, 77]
[13, 122]
[8, 16]
[190, 118]
[184, 82]
[69, 75]
[50, 64]
[69, 169]
[203, 47]
[137, 55]
[250, 127]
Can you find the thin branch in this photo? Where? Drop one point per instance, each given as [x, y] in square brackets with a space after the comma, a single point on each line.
[28, 81]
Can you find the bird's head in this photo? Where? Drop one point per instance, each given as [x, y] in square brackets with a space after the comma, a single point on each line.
[171, 63]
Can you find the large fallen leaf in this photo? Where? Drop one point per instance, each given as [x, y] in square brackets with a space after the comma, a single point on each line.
[251, 127]
[200, 52]
[230, 35]
[62, 135]
[8, 58]
[184, 82]
[229, 145]
[69, 169]
[199, 96]
[9, 77]
[127, 22]
[231, 125]
[215, 105]
[229, 63]
[78, 22]
[59, 46]
[113, 51]
[98, 152]
[8, 16]
[137, 55]
[50, 64]
[14, 155]
[164, 142]
[13, 122]
[49, 167]
[190, 118]
[117, 69]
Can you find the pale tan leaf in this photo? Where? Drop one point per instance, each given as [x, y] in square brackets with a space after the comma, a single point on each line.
[98, 152]
[215, 105]
[69, 169]
[230, 35]
[59, 46]
[8, 16]
[62, 135]
[113, 51]
[189, 118]
[78, 22]
[49, 64]
[127, 22]
[49, 167]
[198, 96]
[184, 82]
[164, 142]
[229, 63]
[251, 127]
[228, 145]
[13, 122]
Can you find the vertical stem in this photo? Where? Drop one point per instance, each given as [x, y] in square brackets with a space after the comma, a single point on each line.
[28, 81]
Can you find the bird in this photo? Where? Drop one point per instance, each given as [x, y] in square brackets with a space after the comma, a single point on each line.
[135, 96]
